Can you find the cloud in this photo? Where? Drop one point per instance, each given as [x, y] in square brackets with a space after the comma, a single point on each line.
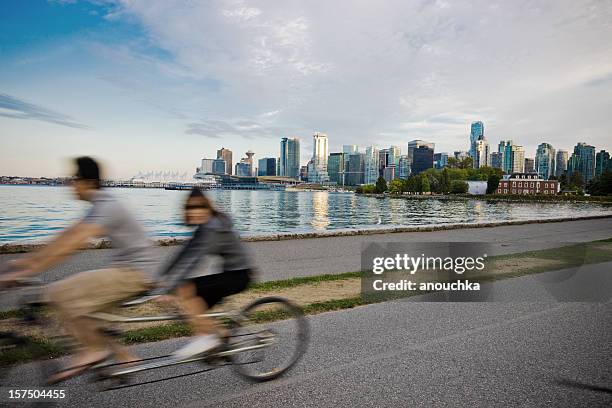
[391, 73]
[245, 128]
[12, 107]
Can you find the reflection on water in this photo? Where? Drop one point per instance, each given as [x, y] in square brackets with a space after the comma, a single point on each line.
[320, 219]
[31, 213]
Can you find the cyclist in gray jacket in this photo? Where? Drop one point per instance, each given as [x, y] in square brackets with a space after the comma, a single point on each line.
[213, 264]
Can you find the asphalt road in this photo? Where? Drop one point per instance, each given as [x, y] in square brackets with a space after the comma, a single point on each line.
[526, 349]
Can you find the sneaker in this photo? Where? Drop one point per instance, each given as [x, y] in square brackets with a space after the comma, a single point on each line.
[199, 345]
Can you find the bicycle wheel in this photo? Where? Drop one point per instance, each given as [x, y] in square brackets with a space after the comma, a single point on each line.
[270, 337]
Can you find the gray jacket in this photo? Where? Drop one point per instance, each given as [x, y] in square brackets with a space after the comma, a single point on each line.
[215, 237]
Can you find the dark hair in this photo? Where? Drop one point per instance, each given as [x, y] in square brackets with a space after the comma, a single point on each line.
[196, 193]
[88, 169]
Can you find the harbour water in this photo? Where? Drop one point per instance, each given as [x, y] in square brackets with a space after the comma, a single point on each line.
[31, 214]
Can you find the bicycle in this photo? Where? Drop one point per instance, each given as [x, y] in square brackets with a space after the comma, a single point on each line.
[253, 331]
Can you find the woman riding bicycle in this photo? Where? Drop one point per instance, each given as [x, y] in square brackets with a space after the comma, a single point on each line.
[212, 265]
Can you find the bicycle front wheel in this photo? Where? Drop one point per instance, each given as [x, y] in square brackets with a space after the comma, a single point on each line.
[270, 337]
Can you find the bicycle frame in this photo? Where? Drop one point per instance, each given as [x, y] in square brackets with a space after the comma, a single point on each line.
[235, 349]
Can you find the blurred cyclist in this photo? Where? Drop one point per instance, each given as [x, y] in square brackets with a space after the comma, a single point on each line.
[213, 264]
[130, 274]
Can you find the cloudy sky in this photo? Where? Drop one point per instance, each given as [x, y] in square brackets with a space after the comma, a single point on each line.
[158, 84]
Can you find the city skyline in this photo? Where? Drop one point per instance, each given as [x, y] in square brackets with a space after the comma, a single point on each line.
[124, 82]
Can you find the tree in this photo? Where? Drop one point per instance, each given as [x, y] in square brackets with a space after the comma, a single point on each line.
[425, 185]
[492, 183]
[459, 187]
[601, 185]
[576, 180]
[396, 186]
[381, 185]
[445, 181]
[465, 163]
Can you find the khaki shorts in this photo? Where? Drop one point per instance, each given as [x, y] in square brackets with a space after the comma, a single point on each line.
[95, 291]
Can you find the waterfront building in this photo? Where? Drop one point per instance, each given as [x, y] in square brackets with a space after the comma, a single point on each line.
[389, 173]
[304, 173]
[206, 167]
[545, 161]
[404, 167]
[582, 161]
[243, 169]
[383, 160]
[513, 157]
[289, 160]
[422, 159]
[602, 163]
[561, 162]
[320, 152]
[415, 144]
[277, 166]
[219, 166]
[226, 155]
[335, 168]
[372, 156]
[354, 172]
[394, 155]
[440, 160]
[497, 160]
[266, 167]
[526, 183]
[529, 165]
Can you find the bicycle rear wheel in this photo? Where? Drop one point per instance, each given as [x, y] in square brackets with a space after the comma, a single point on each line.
[270, 337]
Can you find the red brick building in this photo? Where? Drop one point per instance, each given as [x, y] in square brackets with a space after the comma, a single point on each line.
[526, 183]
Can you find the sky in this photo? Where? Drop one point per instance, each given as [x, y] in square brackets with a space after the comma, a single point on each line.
[156, 85]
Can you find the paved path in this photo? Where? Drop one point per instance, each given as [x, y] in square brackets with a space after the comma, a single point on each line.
[414, 353]
[315, 256]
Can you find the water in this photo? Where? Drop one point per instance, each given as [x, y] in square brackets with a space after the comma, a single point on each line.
[35, 213]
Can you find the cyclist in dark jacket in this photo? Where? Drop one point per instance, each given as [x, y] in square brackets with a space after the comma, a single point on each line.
[213, 264]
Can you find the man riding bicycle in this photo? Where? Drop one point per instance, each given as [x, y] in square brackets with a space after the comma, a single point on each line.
[76, 297]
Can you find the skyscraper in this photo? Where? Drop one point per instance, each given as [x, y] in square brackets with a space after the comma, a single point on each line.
[320, 153]
[582, 161]
[497, 160]
[415, 144]
[226, 154]
[518, 159]
[422, 159]
[335, 168]
[529, 165]
[481, 155]
[440, 160]
[602, 163]
[561, 162]
[350, 149]
[354, 172]
[371, 162]
[266, 167]
[289, 157]
[383, 160]
[404, 167]
[513, 157]
[476, 134]
[545, 161]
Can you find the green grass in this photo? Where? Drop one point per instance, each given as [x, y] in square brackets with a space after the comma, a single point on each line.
[293, 282]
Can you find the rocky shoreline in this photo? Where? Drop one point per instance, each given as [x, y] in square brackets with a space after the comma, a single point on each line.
[103, 244]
